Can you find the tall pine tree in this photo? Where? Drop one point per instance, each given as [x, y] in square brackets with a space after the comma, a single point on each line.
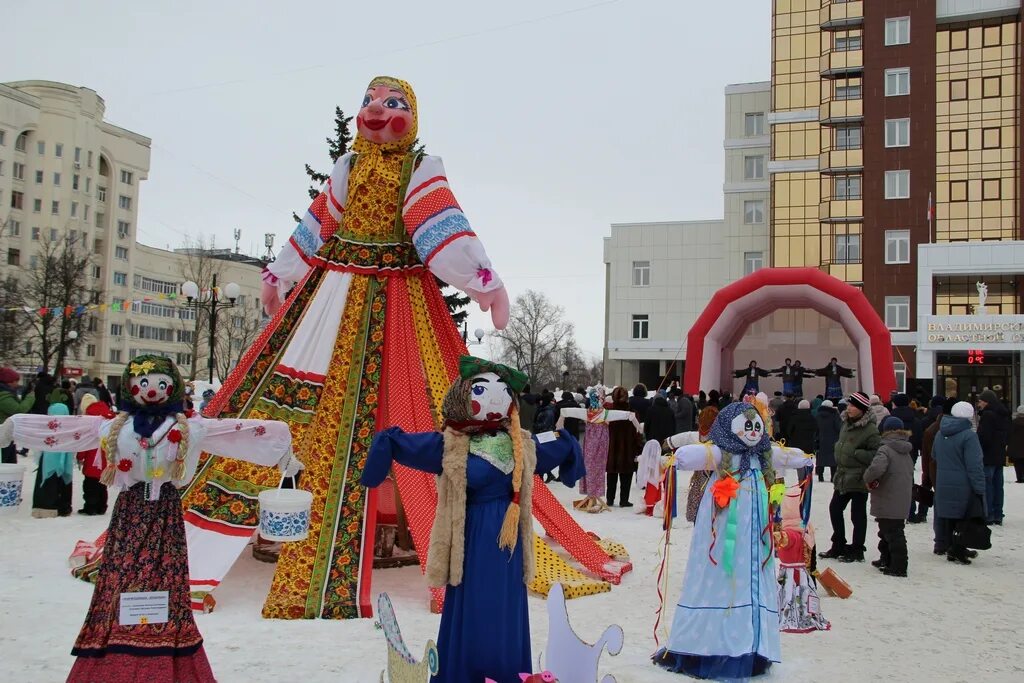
[338, 145]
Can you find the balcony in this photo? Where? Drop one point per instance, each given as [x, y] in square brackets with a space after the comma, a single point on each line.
[837, 111]
[841, 211]
[841, 161]
[846, 271]
[841, 63]
[840, 14]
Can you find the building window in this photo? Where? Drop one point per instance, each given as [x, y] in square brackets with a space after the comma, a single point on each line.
[14, 257]
[641, 329]
[897, 82]
[897, 246]
[121, 253]
[101, 192]
[901, 377]
[17, 199]
[126, 177]
[18, 169]
[958, 90]
[53, 234]
[120, 278]
[78, 154]
[184, 359]
[897, 184]
[124, 202]
[35, 234]
[753, 168]
[90, 350]
[991, 138]
[846, 187]
[752, 260]
[847, 249]
[33, 262]
[115, 355]
[20, 142]
[58, 150]
[897, 132]
[897, 31]
[1, 167]
[123, 229]
[990, 86]
[641, 273]
[39, 177]
[85, 214]
[41, 148]
[957, 140]
[116, 329]
[990, 188]
[37, 206]
[74, 209]
[15, 228]
[846, 43]
[97, 272]
[753, 211]
[55, 208]
[3, 137]
[753, 124]
[74, 182]
[897, 312]
[89, 162]
[847, 92]
[958, 190]
[958, 39]
[848, 137]
[88, 185]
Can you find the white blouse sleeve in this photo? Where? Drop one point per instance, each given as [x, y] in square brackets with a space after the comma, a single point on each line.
[683, 439]
[441, 233]
[571, 413]
[261, 442]
[54, 432]
[698, 457]
[787, 458]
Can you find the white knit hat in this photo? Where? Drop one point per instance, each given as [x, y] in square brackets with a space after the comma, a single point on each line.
[963, 409]
[827, 404]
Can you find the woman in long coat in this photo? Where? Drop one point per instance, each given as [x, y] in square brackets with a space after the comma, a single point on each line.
[959, 478]
[624, 445]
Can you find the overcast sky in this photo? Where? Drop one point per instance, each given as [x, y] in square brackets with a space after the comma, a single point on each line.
[555, 118]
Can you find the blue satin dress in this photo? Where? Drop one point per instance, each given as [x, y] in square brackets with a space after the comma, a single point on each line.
[485, 623]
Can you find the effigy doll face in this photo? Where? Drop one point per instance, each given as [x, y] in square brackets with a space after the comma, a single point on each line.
[385, 115]
[490, 398]
[748, 428]
[151, 389]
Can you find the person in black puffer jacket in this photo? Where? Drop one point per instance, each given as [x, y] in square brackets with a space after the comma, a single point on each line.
[802, 431]
[993, 433]
[639, 403]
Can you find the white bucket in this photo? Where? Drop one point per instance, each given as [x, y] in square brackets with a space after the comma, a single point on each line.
[11, 479]
[284, 513]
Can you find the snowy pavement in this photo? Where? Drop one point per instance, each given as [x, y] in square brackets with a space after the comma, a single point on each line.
[944, 623]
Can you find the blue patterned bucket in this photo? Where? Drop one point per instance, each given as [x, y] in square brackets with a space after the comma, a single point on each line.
[284, 514]
[12, 478]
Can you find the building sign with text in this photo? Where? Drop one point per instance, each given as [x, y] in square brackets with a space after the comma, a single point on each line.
[991, 332]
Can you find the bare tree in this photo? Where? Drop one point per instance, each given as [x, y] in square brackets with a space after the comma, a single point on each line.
[12, 331]
[236, 330]
[200, 267]
[536, 339]
[57, 283]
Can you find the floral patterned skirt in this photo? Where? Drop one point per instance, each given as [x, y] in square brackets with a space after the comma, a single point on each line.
[595, 457]
[144, 551]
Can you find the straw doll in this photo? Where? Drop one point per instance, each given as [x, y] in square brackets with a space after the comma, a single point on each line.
[152, 449]
[481, 545]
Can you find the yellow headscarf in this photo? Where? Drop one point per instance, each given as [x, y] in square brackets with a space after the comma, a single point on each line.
[372, 153]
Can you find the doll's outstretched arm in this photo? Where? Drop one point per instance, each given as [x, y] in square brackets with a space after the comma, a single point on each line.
[421, 451]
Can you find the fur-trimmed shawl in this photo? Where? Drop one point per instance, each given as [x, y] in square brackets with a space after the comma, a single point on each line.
[446, 555]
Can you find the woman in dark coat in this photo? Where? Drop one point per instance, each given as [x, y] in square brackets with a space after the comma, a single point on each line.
[959, 479]
[802, 431]
[623, 447]
[661, 421]
[829, 425]
[638, 402]
[1015, 446]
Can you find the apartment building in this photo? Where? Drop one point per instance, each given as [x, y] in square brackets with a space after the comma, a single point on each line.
[659, 276]
[895, 166]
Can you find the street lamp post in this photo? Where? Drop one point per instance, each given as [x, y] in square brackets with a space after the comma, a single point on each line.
[192, 293]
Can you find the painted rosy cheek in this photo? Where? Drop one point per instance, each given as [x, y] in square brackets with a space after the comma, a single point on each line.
[135, 390]
[475, 406]
[169, 389]
[399, 124]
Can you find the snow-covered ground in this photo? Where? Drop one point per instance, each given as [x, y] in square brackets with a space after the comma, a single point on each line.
[944, 623]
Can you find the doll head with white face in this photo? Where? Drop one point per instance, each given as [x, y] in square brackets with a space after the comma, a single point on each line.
[150, 381]
[387, 115]
[490, 398]
[151, 389]
[748, 427]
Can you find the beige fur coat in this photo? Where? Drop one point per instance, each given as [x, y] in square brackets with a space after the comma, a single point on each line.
[448, 536]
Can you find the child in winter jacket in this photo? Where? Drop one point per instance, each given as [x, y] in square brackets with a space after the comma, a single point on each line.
[890, 480]
[92, 462]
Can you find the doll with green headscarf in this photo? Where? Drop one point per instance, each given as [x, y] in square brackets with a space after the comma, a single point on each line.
[481, 543]
[152, 447]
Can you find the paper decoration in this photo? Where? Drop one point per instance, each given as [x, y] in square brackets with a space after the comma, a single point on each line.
[402, 667]
[568, 657]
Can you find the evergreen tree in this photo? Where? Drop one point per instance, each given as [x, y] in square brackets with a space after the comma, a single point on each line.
[337, 146]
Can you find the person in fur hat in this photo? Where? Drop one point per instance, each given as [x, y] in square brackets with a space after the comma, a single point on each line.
[890, 481]
[481, 543]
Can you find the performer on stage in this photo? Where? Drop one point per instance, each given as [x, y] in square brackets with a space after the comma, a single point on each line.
[726, 623]
[152, 449]
[481, 545]
[788, 374]
[833, 374]
[752, 373]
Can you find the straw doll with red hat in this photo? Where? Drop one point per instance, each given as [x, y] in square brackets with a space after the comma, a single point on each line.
[481, 544]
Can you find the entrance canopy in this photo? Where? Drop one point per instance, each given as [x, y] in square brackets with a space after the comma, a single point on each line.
[713, 338]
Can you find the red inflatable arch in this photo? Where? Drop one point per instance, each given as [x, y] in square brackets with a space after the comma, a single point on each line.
[712, 339]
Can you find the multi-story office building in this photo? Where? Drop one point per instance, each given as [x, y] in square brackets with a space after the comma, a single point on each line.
[67, 173]
[659, 276]
[895, 166]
